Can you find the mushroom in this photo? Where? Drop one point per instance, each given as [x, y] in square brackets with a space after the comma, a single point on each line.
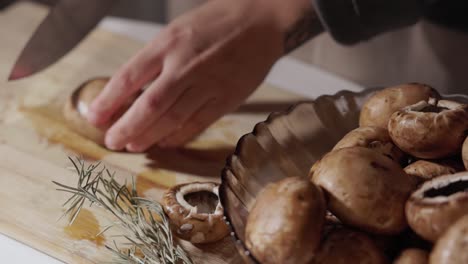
[364, 189]
[77, 107]
[413, 256]
[465, 153]
[430, 129]
[195, 212]
[377, 110]
[451, 248]
[376, 138]
[437, 204]
[423, 170]
[286, 221]
[341, 246]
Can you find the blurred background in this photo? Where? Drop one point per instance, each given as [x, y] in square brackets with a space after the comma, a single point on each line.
[424, 52]
[148, 10]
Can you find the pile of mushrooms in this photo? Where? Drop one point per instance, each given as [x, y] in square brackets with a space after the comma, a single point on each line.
[397, 188]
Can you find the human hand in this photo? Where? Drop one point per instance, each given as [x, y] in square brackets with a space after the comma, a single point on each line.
[203, 65]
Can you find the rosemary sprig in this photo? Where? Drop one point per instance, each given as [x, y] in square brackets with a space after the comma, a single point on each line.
[150, 239]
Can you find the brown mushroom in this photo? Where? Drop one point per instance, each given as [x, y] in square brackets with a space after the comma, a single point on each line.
[341, 246]
[195, 212]
[413, 256]
[378, 108]
[451, 248]
[465, 153]
[437, 204]
[376, 138]
[77, 107]
[364, 189]
[286, 221]
[430, 129]
[423, 170]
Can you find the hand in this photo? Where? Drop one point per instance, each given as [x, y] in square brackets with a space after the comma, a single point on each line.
[203, 65]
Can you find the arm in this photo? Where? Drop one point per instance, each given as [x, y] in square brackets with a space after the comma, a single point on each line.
[203, 65]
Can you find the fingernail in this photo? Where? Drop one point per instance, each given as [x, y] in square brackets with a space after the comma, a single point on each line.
[92, 117]
[112, 144]
[132, 147]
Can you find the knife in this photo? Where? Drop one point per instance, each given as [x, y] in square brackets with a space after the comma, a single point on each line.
[67, 23]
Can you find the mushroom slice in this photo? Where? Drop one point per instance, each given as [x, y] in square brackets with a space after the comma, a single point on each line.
[437, 204]
[465, 153]
[77, 106]
[341, 246]
[286, 221]
[430, 129]
[364, 189]
[376, 138]
[377, 110]
[195, 212]
[423, 170]
[451, 248]
[413, 256]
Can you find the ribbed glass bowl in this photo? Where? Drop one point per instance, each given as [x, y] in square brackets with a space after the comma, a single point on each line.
[286, 144]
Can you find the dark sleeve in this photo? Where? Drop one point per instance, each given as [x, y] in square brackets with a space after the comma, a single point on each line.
[351, 21]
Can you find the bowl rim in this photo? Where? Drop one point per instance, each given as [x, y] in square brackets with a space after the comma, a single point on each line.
[241, 246]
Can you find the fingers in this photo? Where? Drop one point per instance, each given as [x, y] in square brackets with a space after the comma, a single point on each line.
[173, 119]
[149, 106]
[201, 120]
[130, 79]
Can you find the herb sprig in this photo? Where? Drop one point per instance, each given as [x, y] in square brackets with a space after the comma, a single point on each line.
[146, 226]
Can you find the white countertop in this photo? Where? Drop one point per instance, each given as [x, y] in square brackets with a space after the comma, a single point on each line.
[288, 73]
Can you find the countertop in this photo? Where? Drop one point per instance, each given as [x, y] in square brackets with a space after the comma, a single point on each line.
[287, 73]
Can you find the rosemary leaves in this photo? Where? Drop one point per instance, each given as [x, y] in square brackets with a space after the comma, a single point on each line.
[145, 224]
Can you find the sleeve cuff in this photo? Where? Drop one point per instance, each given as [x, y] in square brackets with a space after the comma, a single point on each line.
[352, 21]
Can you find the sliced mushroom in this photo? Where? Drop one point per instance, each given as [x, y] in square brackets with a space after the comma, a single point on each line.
[286, 221]
[465, 153]
[424, 170]
[77, 106]
[413, 256]
[364, 189]
[378, 108]
[342, 246]
[195, 212]
[376, 138]
[451, 248]
[437, 204]
[430, 129]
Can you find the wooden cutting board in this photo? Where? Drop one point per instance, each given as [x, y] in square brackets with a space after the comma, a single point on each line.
[35, 144]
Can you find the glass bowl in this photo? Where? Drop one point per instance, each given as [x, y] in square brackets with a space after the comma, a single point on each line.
[285, 145]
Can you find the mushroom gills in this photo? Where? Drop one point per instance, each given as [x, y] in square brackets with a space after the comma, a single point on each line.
[449, 189]
[429, 107]
[205, 202]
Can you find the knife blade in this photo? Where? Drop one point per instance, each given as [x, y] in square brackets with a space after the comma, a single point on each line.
[67, 23]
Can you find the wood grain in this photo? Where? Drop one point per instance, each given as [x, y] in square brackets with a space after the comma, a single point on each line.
[35, 143]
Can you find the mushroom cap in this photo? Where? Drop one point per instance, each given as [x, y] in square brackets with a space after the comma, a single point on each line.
[77, 106]
[341, 246]
[376, 138]
[195, 212]
[437, 204]
[364, 189]
[413, 256]
[286, 221]
[465, 153]
[424, 170]
[377, 110]
[451, 248]
[422, 129]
